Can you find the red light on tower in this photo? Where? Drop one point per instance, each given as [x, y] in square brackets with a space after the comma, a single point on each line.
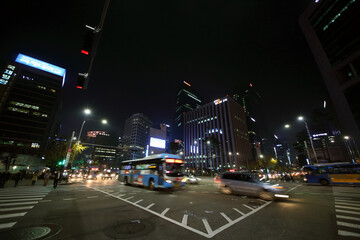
[250, 84]
[85, 52]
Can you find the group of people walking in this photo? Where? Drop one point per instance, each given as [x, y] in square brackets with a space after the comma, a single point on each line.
[5, 176]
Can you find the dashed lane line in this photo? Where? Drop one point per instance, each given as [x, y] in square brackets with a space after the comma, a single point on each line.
[68, 199]
[20, 200]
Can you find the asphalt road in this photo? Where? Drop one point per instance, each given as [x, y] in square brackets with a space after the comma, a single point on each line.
[110, 210]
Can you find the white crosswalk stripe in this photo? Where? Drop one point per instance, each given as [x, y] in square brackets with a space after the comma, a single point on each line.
[346, 201]
[15, 202]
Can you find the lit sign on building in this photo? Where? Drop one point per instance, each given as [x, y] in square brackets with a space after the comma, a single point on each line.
[35, 63]
[218, 101]
[7, 74]
[319, 135]
[157, 143]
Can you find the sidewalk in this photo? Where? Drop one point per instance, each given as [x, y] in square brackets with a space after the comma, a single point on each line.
[27, 182]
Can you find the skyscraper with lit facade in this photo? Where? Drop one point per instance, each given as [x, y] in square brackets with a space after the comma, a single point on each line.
[136, 135]
[216, 137]
[332, 31]
[186, 101]
[29, 103]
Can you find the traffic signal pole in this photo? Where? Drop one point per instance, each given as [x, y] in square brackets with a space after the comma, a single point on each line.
[97, 33]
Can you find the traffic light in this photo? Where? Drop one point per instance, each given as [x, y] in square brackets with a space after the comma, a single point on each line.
[61, 163]
[89, 39]
[82, 81]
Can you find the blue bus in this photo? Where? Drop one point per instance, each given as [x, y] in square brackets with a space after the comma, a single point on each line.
[332, 173]
[155, 171]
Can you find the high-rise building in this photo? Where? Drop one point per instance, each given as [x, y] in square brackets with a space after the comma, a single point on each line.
[331, 29]
[136, 135]
[186, 101]
[282, 152]
[216, 137]
[29, 103]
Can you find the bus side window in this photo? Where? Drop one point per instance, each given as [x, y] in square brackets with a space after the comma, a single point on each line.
[322, 170]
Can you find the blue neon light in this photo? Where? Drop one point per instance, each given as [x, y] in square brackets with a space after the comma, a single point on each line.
[35, 63]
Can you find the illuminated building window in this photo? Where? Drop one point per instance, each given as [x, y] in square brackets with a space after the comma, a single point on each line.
[40, 114]
[41, 87]
[14, 109]
[35, 145]
[25, 105]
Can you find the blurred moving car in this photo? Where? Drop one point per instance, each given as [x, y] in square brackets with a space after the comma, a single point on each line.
[249, 184]
[104, 176]
[191, 179]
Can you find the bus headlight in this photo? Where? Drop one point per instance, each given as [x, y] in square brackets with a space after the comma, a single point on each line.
[167, 180]
[183, 180]
[305, 179]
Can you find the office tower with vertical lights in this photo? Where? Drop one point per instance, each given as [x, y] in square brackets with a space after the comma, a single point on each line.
[216, 137]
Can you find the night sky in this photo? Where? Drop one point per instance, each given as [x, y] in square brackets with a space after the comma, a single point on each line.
[148, 48]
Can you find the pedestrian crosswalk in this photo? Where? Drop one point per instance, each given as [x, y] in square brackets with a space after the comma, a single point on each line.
[347, 211]
[16, 202]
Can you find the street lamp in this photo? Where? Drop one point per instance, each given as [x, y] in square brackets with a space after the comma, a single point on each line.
[301, 118]
[104, 121]
[287, 126]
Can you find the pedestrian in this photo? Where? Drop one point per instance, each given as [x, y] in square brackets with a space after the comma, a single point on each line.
[291, 177]
[46, 177]
[17, 178]
[5, 177]
[57, 175]
[2, 175]
[34, 178]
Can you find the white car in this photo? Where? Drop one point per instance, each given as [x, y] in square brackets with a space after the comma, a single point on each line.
[191, 179]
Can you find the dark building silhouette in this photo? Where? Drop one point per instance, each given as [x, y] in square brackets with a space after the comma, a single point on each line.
[331, 29]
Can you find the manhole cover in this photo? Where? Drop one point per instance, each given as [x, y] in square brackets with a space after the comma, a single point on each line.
[43, 231]
[129, 229]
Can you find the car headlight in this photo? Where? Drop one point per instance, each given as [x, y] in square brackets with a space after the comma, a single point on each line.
[183, 180]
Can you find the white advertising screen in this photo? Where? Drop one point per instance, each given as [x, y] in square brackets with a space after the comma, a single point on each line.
[157, 143]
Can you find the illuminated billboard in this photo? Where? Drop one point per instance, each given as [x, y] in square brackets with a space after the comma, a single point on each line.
[35, 63]
[157, 143]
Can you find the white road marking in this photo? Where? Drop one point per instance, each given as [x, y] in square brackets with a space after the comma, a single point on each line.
[93, 197]
[120, 195]
[239, 211]
[346, 207]
[68, 199]
[346, 224]
[139, 201]
[152, 204]
[165, 211]
[207, 226]
[30, 196]
[15, 208]
[19, 203]
[348, 204]
[226, 217]
[11, 215]
[348, 234]
[20, 200]
[207, 235]
[184, 220]
[343, 198]
[45, 201]
[349, 201]
[248, 207]
[7, 225]
[345, 211]
[128, 198]
[348, 217]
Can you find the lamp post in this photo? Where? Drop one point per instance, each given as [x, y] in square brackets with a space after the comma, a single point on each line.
[86, 112]
[348, 147]
[211, 158]
[300, 118]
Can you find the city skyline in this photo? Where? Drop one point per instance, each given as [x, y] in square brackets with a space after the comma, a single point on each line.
[139, 74]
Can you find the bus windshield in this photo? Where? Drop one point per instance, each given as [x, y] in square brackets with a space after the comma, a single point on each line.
[174, 169]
